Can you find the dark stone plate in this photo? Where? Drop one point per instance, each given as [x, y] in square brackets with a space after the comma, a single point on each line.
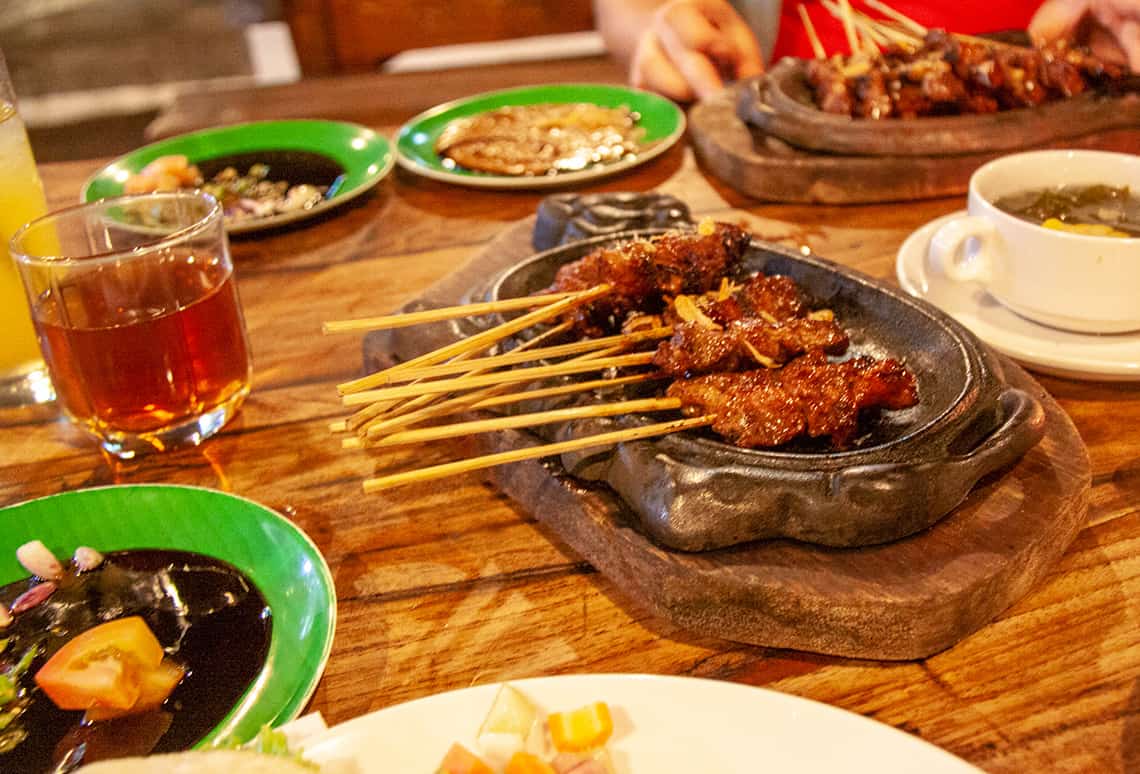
[908, 469]
[780, 104]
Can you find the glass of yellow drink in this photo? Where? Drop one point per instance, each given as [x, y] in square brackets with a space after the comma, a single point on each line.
[23, 380]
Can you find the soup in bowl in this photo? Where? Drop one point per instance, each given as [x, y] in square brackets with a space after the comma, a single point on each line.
[1078, 267]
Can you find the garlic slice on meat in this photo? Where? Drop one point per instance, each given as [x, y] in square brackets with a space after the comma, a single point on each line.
[688, 311]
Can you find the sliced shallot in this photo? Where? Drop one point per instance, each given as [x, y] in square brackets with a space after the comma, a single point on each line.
[32, 597]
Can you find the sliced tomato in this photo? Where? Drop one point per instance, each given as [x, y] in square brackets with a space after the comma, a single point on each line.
[102, 667]
[154, 686]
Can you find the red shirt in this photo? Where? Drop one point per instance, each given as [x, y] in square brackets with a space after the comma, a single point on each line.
[968, 16]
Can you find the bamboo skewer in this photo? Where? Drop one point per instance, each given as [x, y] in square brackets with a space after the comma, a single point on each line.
[459, 403]
[427, 406]
[849, 27]
[370, 413]
[478, 341]
[902, 19]
[405, 319]
[528, 420]
[443, 409]
[516, 356]
[499, 377]
[816, 46]
[565, 389]
[517, 455]
[424, 400]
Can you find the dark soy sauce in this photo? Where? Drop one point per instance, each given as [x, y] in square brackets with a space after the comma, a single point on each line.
[209, 617]
[293, 166]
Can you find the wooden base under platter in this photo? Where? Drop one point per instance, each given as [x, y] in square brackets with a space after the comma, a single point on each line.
[767, 168]
[903, 600]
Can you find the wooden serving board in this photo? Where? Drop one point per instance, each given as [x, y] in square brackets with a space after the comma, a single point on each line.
[903, 600]
[766, 167]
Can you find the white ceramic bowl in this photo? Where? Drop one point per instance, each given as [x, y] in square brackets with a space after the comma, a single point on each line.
[1072, 281]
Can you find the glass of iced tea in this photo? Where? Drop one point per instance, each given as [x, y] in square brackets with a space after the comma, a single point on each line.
[138, 318]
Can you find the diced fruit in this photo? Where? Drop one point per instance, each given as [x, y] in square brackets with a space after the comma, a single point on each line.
[527, 763]
[507, 726]
[582, 729]
[460, 760]
[510, 713]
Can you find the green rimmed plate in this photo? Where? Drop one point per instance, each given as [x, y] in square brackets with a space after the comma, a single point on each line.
[662, 120]
[279, 558]
[364, 157]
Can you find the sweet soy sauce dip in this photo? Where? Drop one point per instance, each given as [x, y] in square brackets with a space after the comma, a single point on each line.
[1098, 210]
[208, 616]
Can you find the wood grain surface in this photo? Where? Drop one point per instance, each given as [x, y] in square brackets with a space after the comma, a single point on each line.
[443, 586]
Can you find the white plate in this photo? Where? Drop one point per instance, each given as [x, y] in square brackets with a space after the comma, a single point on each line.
[1105, 357]
[662, 725]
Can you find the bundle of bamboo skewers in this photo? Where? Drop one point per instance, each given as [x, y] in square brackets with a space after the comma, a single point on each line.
[869, 36]
[393, 404]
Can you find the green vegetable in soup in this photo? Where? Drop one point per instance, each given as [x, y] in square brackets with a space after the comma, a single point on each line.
[1093, 205]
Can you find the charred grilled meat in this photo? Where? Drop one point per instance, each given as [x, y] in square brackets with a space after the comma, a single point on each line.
[951, 76]
[766, 321]
[745, 343]
[810, 396]
[644, 271]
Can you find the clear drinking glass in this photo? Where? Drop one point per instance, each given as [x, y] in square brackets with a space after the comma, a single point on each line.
[137, 314]
[23, 381]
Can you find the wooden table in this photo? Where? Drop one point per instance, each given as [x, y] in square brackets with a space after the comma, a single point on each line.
[441, 587]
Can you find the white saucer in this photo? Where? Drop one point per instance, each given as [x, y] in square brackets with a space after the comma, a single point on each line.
[1106, 357]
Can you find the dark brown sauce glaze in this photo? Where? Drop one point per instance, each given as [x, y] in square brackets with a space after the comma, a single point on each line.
[207, 614]
[296, 167]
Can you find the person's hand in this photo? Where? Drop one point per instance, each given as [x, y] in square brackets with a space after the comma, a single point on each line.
[1111, 28]
[692, 47]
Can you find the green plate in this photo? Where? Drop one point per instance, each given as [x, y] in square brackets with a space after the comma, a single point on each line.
[662, 120]
[281, 561]
[365, 157]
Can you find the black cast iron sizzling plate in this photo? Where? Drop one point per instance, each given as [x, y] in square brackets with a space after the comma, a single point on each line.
[693, 492]
[780, 103]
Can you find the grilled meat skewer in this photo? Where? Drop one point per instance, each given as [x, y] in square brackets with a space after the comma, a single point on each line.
[765, 321]
[643, 272]
[809, 396]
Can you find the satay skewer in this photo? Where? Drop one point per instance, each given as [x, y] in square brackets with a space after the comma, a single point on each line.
[499, 377]
[901, 18]
[816, 45]
[502, 399]
[405, 319]
[517, 455]
[525, 356]
[535, 419]
[848, 26]
[430, 408]
[372, 413]
[480, 340]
